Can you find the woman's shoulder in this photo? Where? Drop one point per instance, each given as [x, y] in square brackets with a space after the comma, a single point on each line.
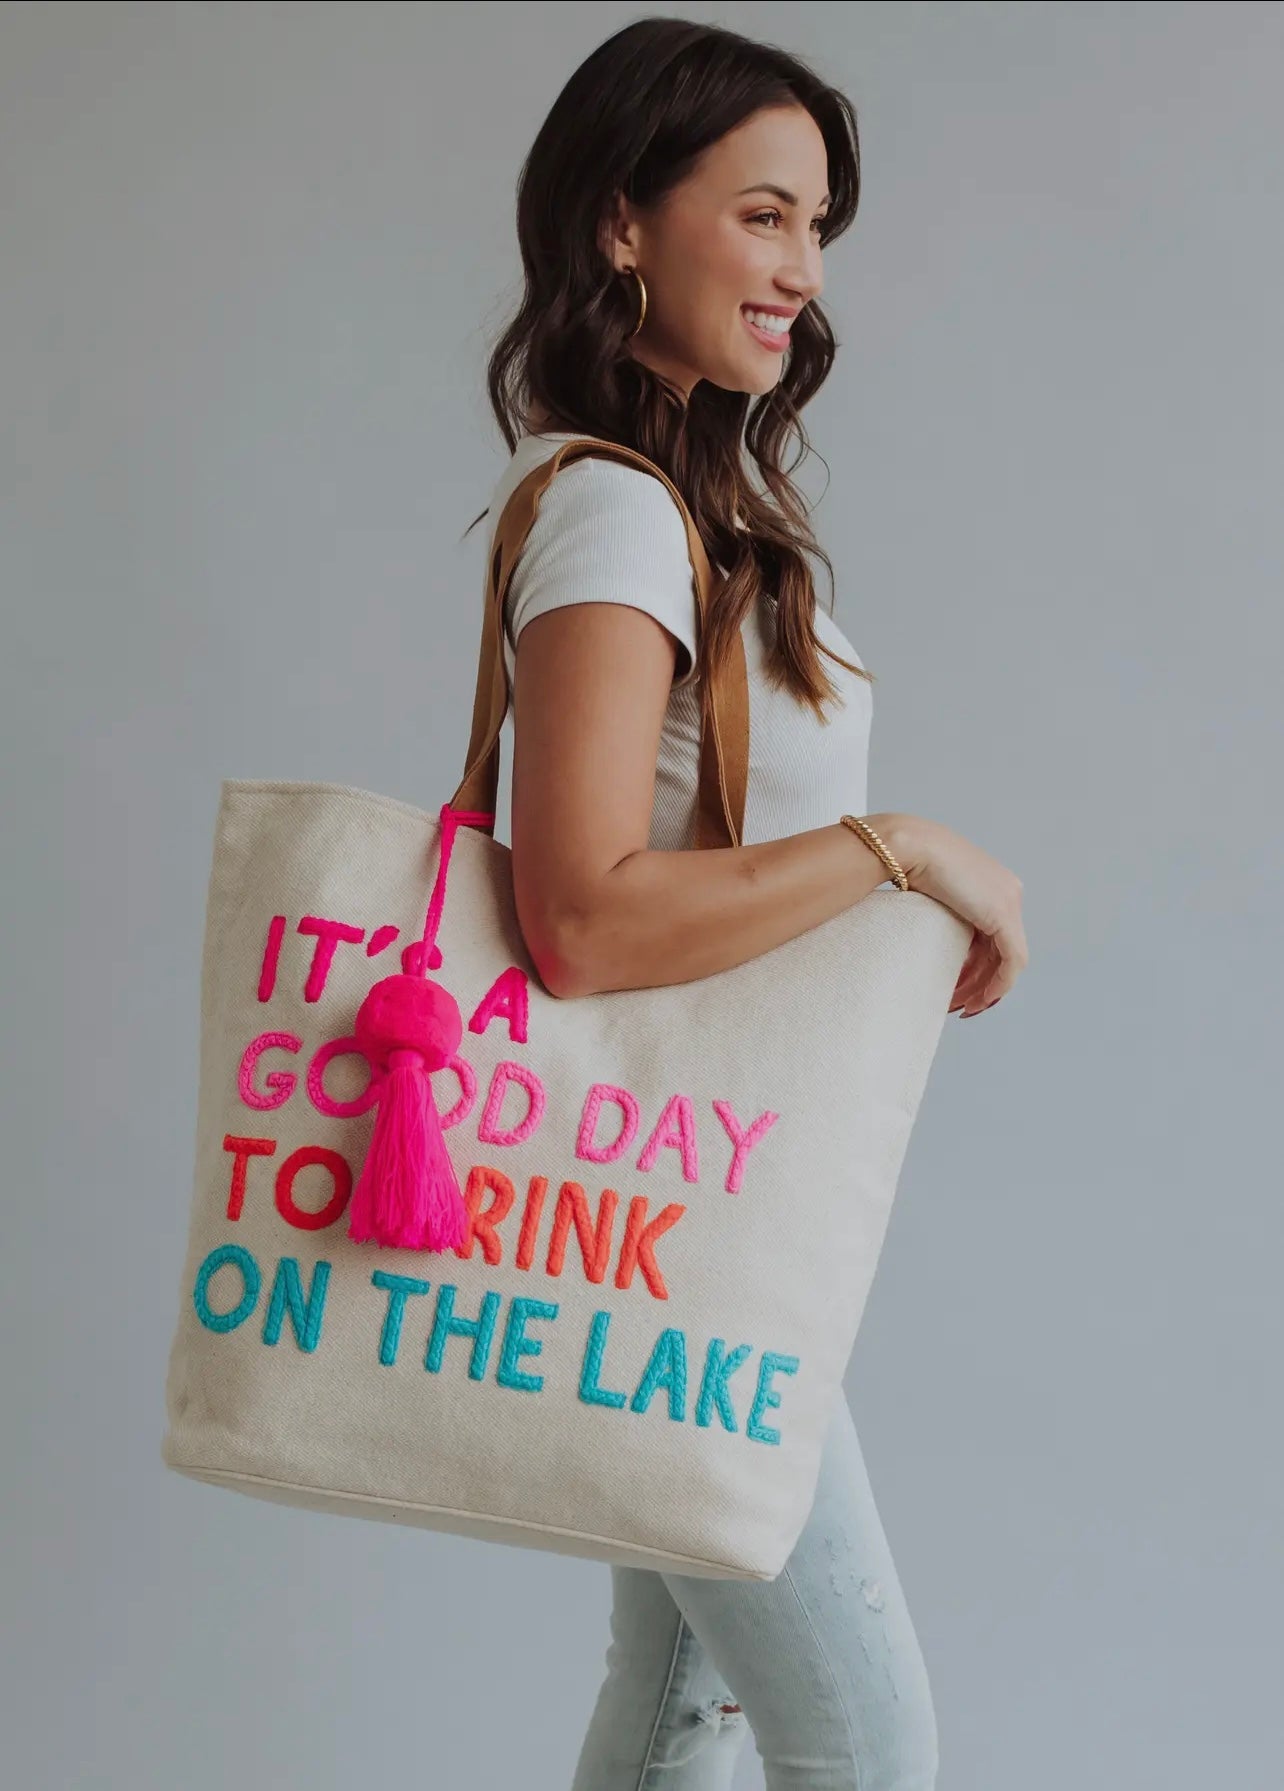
[604, 531]
[599, 511]
[593, 487]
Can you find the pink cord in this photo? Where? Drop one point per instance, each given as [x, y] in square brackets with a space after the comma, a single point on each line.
[426, 955]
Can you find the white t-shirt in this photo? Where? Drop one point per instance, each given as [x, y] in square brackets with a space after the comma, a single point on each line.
[610, 533]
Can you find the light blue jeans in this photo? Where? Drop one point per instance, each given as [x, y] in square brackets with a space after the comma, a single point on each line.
[821, 1664]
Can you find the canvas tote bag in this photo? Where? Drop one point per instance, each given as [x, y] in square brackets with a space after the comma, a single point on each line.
[671, 1200]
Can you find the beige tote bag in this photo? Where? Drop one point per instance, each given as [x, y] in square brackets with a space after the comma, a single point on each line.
[673, 1199]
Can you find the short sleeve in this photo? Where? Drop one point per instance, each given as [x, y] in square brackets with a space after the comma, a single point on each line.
[608, 533]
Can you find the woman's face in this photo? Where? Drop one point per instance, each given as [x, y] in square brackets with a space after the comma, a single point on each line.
[722, 246]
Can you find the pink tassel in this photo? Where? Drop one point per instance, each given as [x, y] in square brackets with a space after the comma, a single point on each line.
[407, 1195]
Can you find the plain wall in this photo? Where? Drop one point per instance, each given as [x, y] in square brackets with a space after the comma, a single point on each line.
[253, 258]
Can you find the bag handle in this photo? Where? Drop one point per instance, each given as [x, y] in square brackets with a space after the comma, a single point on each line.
[724, 700]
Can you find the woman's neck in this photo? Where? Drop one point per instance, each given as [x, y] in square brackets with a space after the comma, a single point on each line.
[542, 424]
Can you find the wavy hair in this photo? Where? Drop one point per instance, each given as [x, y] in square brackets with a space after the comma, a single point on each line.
[634, 118]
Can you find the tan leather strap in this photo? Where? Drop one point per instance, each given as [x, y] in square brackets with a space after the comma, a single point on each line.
[724, 702]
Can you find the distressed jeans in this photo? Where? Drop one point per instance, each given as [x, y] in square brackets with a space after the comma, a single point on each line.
[821, 1664]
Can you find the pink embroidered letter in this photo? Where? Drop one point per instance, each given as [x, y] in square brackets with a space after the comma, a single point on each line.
[743, 1141]
[488, 1131]
[605, 1153]
[675, 1130]
[508, 999]
[282, 1081]
[328, 934]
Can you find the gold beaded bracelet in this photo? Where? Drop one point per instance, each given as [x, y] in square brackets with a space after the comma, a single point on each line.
[864, 831]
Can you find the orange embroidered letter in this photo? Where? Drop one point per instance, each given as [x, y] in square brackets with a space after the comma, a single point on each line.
[595, 1247]
[637, 1250]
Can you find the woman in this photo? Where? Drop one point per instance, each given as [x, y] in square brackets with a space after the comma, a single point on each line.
[672, 216]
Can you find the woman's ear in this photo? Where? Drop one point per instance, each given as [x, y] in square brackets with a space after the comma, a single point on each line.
[618, 237]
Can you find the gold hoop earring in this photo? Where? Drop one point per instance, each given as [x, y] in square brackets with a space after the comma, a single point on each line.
[642, 291]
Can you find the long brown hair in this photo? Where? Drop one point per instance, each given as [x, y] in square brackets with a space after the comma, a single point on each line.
[634, 118]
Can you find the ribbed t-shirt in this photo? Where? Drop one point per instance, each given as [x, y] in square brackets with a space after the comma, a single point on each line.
[610, 533]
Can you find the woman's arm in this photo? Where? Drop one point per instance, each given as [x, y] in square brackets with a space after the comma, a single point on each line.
[599, 910]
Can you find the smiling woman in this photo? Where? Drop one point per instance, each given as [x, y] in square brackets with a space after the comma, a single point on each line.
[688, 182]
[712, 256]
[673, 216]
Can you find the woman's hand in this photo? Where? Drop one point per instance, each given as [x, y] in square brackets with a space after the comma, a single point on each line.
[952, 870]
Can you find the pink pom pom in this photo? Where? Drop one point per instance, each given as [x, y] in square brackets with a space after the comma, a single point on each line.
[407, 1195]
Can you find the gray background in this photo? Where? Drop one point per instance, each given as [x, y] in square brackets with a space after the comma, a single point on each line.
[253, 256]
